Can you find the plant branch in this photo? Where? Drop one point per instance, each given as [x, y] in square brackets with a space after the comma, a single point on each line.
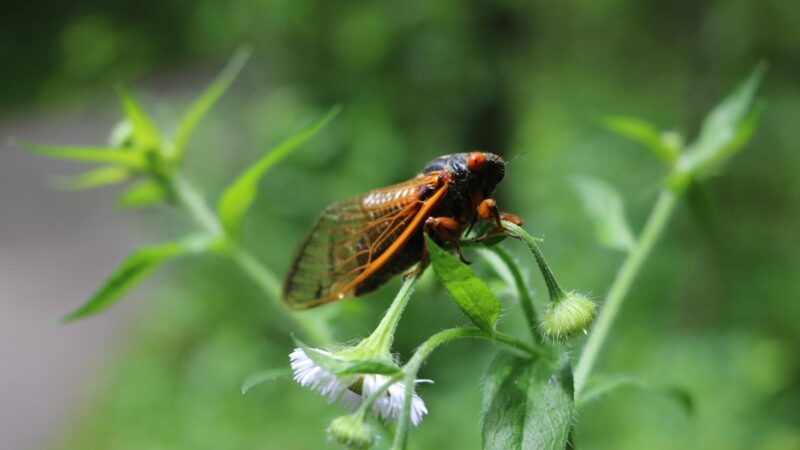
[198, 209]
[412, 367]
[384, 332]
[525, 300]
[421, 354]
[194, 204]
[554, 289]
[654, 227]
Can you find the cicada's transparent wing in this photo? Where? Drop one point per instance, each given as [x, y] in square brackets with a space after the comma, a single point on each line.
[345, 245]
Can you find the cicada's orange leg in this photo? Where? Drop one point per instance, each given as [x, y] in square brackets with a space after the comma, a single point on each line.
[448, 229]
[487, 210]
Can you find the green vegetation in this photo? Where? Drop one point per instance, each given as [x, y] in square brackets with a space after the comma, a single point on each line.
[701, 317]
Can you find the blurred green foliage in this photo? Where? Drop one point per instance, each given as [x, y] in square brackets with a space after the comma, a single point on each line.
[715, 315]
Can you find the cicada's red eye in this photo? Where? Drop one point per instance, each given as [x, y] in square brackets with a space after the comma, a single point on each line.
[475, 161]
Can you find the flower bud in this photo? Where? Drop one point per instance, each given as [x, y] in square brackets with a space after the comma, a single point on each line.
[121, 135]
[567, 316]
[352, 431]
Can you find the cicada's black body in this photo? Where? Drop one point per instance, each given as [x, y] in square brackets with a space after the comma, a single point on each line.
[465, 185]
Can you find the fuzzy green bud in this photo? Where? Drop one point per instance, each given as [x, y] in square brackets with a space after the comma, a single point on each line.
[352, 431]
[566, 316]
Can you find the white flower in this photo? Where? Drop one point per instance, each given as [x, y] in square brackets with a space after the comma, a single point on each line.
[352, 390]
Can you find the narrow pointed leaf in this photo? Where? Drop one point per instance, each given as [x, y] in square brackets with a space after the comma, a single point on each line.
[644, 133]
[598, 386]
[527, 405]
[145, 132]
[338, 366]
[469, 292]
[88, 154]
[135, 267]
[198, 110]
[241, 194]
[726, 129]
[265, 376]
[103, 176]
[604, 206]
[141, 195]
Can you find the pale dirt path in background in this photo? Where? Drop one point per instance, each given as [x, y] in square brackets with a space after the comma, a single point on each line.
[55, 248]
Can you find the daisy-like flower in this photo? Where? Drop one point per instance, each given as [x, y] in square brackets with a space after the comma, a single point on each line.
[363, 390]
[352, 390]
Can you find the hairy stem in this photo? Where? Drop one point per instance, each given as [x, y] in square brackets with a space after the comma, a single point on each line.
[513, 345]
[654, 227]
[525, 299]
[423, 351]
[381, 338]
[553, 288]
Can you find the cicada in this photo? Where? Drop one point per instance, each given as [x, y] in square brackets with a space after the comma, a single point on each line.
[358, 244]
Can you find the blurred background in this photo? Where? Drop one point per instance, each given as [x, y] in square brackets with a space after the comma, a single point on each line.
[716, 310]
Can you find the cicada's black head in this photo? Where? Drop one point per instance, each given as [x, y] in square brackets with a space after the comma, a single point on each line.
[470, 171]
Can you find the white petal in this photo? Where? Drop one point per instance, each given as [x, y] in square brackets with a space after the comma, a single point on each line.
[390, 405]
[308, 374]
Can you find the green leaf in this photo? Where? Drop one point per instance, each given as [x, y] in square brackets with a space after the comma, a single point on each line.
[103, 155]
[145, 133]
[135, 267]
[646, 134]
[726, 129]
[339, 366]
[141, 195]
[238, 197]
[265, 376]
[203, 104]
[470, 293]
[103, 176]
[605, 208]
[527, 405]
[599, 385]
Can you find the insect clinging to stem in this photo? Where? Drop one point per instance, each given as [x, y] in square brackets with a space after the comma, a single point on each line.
[358, 244]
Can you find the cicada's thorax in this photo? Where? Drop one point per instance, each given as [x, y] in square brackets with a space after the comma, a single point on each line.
[466, 188]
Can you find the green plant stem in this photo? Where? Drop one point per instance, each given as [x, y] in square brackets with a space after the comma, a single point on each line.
[553, 288]
[411, 369]
[263, 277]
[512, 344]
[365, 407]
[194, 203]
[317, 331]
[659, 216]
[525, 299]
[421, 354]
[198, 209]
[381, 338]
